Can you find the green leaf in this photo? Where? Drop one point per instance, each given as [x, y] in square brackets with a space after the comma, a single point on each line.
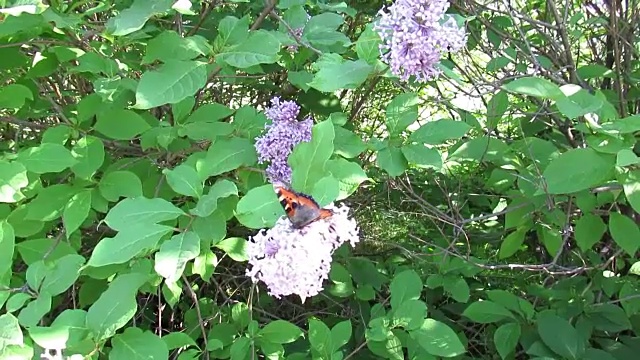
[133, 18]
[209, 203]
[128, 243]
[174, 254]
[486, 312]
[118, 184]
[132, 212]
[630, 298]
[320, 338]
[7, 247]
[439, 131]
[204, 265]
[206, 130]
[34, 250]
[458, 288]
[409, 314]
[184, 180]
[171, 46]
[176, 340]
[36, 273]
[631, 187]
[589, 230]
[391, 160]
[115, 307]
[261, 47]
[89, 152]
[340, 334]
[592, 71]
[171, 83]
[76, 211]
[259, 208]
[231, 31]
[136, 344]
[235, 247]
[347, 144]
[568, 174]
[320, 32]
[308, 159]
[367, 46]
[226, 155]
[31, 314]
[58, 134]
[241, 315]
[222, 334]
[344, 75]
[92, 62]
[349, 174]
[62, 275]
[21, 226]
[483, 148]
[506, 338]
[496, 107]
[280, 332]
[248, 122]
[512, 243]
[562, 338]
[401, 112]
[624, 232]
[536, 87]
[209, 113]
[14, 96]
[121, 124]
[578, 104]
[422, 156]
[405, 286]
[13, 178]
[10, 332]
[608, 317]
[300, 79]
[626, 125]
[626, 157]
[49, 337]
[438, 339]
[46, 158]
[240, 348]
[50, 202]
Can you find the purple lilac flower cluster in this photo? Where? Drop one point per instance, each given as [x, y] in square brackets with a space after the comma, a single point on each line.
[284, 132]
[296, 261]
[415, 34]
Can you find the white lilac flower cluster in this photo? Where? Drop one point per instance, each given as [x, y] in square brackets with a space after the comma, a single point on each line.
[284, 132]
[297, 261]
[415, 34]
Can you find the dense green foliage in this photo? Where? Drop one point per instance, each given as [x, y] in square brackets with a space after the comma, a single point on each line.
[498, 205]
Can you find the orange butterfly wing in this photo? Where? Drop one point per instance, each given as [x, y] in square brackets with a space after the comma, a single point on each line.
[301, 209]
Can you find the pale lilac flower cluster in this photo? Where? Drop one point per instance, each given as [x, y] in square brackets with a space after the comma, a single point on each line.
[284, 132]
[297, 261]
[415, 34]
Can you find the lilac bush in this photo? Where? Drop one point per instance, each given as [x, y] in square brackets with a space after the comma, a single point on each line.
[415, 34]
[284, 132]
[297, 261]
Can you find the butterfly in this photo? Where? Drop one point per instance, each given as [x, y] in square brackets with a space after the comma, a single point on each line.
[300, 208]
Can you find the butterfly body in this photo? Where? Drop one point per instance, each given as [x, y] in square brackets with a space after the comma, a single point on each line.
[300, 208]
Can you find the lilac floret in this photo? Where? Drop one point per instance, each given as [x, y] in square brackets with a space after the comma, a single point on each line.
[293, 261]
[284, 132]
[415, 35]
